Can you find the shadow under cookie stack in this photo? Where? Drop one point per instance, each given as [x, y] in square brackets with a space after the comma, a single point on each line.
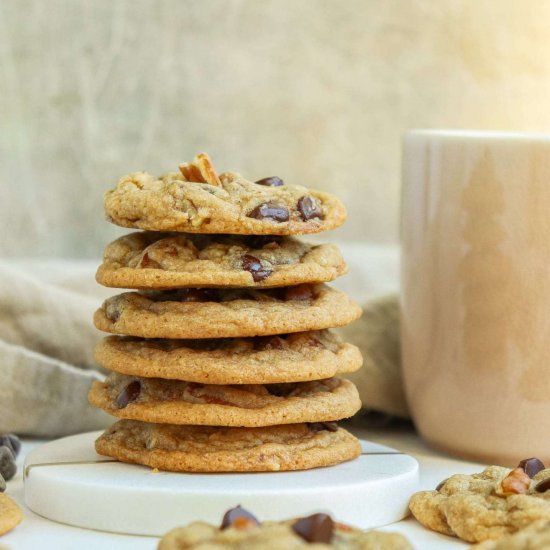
[222, 360]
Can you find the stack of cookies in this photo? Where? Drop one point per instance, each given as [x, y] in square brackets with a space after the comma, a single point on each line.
[222, 359]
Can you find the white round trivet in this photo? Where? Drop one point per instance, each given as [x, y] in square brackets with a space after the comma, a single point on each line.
[66, 481]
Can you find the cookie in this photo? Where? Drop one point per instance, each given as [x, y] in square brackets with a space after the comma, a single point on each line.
[534, 537]
[200, 201]
[169, 260]
[240, 529]
[488, 505]
[296, 357]
[10, 514]
[212, 449]
[221, 313]
[178, 402]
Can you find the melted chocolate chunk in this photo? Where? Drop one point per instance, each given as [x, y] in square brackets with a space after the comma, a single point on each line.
[315, 528]
[254, 266]
[129, 394]
[309, 208]
[259, 241]
[531, 466]
[543, 485]
[280, 390]
[272, 181]
[321, 426]
[300, 292]
[238, 515]
[269, 211]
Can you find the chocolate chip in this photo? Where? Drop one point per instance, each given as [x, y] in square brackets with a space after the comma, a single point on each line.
[280, 390]
[254, 266]
[259, 241]
[315, 528]
[309, 208]
[269, 211]
[236, 515]
[7, 463]
[2, 484]
[300, 292]
[11, 441]
[323, 426]
[129, 394]
[543, 485]
[531, 466]
[272, 181]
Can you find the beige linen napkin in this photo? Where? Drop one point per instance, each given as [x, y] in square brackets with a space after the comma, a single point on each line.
[46, 350]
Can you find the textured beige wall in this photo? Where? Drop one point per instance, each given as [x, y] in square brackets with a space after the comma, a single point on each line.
[315, 91]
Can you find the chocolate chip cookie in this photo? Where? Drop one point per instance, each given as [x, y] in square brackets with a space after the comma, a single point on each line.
[489, 505]
[296, 357]
[240, 529]
[179, 402]
[168, 260]
[197, 200]
[215, 449]
[225, 313]
[10, 514]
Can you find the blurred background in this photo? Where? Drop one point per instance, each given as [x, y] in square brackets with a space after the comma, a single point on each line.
[317, 92]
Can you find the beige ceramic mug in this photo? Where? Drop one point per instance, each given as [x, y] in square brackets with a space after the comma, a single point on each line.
[476, 292]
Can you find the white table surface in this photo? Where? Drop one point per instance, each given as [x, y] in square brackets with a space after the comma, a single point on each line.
[36, 532]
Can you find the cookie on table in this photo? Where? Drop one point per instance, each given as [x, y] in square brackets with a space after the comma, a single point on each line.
[197, 200]
[488, 505]
[10, 514]
[296, 357]
[240, 529]
[170, 260]
[534, 537]
[179, 402]
[225, 313]
[215, 449]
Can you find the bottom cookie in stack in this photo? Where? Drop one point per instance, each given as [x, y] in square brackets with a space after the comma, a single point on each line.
[220, 449]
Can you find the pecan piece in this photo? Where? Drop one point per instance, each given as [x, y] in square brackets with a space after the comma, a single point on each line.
[515, 483]
[201, 170]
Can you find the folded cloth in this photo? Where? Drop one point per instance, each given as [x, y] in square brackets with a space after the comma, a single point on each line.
[47, 340]
[376, 334]
[46, 350]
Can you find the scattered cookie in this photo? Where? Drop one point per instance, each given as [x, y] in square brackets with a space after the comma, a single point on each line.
[240, 529]
[197, 200]
[221, 313]
[488, 505]
[296, 357]
[217, 449]
[10, 514]
[168, 260]
[179, 402]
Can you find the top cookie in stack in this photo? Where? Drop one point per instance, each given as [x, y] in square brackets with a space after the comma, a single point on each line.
[226, 363]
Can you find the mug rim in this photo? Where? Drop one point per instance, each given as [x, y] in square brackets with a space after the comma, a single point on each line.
[477, 134]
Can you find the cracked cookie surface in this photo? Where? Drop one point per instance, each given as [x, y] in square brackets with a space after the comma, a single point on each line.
[221, 313]
[215, 449]
[250, 405]
[235, 206]
[168, 260]
[488, 505]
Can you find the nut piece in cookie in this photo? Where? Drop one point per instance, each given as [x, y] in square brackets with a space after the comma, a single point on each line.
[488, 505]
[240, 529]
